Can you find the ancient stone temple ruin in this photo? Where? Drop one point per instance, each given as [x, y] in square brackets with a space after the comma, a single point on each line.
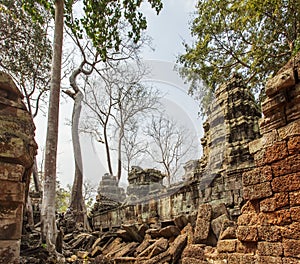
[109, 188]
[143, 182]
[17, 150]
[216, 178]
[240, 203]
[268, 231]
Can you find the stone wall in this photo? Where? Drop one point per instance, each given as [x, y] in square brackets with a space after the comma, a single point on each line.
[268, 230]
[216, 178]
[17, 150]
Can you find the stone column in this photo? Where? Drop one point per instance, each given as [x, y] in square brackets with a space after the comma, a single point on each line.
[17, 150]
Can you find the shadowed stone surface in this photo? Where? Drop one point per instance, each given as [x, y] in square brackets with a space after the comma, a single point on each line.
[17, 151]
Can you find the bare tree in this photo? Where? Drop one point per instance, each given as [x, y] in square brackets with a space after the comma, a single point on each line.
[113, 103]
[170, 144]
[134, 145]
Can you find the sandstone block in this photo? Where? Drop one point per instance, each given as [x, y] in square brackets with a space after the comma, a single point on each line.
[291, 248]
[293, 110]
[250, 207]
[10, 228]
[246, 247]
[290, 130]
[275, 152]
[238, 258]
[295, 214]
[247, 233]
[228, 229]
[12, 191]
[216, 224]
[269, 260]
[156, 248]
[281, 217]
[269, 249]
[286, 183]
[274, 104]
[16, 150]
[268, 139]
[287, 166]
[129, 248]
[181, 221]
[294, 145]
[269, 233]
[132, 231]
[194, 251]
[12, 172]
[188, 260]
[10, 210]
[228, 245]
[290, 261]
[188, 230]
[294, 198]
[169, 231]
[247, 219]
[176, 248]
[280, 82]
[257, 175]
[203, 223]
[291, 231]
[256, 145]
[273, 120]
[277, 201]
[218, 210]
[257, 191]
[161, 258]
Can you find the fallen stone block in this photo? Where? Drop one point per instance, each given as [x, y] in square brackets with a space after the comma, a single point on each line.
[195, 251]
[177, 247]
[188, 260]
[216, 224]
[181, 221]
[126, 250]
[156, 248]
[169, 231]
[133, 232]
[202, 223]
[159, 259]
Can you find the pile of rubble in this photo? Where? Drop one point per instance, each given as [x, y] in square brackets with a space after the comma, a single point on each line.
[186, 239]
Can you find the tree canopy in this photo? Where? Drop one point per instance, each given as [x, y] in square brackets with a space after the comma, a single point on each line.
[103, 21]
[25, 51]
[251, 37]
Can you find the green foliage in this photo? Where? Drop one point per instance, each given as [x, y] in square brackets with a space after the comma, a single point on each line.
[251, 37]
[25, 50]
[103, 20]
[63, 197]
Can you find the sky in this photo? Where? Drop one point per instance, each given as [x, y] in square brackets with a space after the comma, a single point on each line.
[168, 30]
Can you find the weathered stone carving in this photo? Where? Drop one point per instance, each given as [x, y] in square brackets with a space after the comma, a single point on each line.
[143, 183]
[109, 188]
[269, 228]
[17, 150]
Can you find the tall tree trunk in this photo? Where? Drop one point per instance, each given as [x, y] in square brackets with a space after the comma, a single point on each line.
[49, 231]
[108, 159]
[77, 204]
[35, 175]
[119, 171]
